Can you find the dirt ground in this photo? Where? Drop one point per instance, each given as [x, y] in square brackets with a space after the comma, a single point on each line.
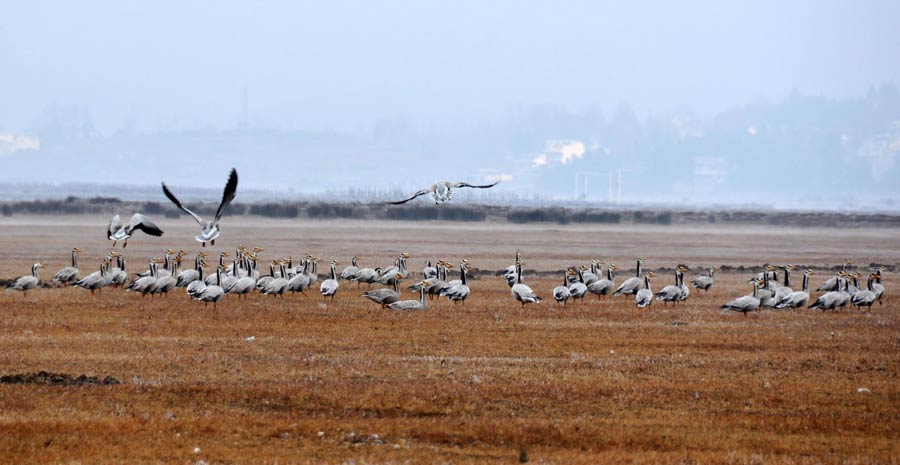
[298, 380]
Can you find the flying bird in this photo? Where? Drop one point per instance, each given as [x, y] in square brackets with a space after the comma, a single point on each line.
[442, 191]
[116, 231]
[210, 228]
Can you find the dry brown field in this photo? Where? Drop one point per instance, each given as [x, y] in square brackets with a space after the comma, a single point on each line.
[297, 380]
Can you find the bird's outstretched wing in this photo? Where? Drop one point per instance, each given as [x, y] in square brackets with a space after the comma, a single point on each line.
[114, 225]
[179, 205]
[143, 223]
[228, 195]
[421, 192]
[484, 186]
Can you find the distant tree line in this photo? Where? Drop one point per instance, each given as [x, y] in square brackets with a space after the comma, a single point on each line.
[317, 210]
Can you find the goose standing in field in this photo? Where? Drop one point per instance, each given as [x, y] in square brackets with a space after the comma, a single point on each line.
[212, 293]
[785, 290]
[116, 231]
[800, 298]
[350, 271]
[877, 287]
[522, 292]
[510, 272]
[118, 275]
[384, 296]
[300, 281]
[367, 276]
[330, 286]
[578, 289]
[146, 284]
[865, 297]
[27, 283]
[644, 296]
[832, 283]
[166, 283]
[845, 293]
[210, 228]
[69, 274]
[685, 291]
[747, 303]
[195, 287]
[420, 304]
[705, 283]
[561, 293]
[830, 300]
[277, 285]
[188, 276]
[264, 281]
[459, 292]
[632, 285]
[245, 284]
[672, 292]
[97, 280]
[604, 287]
[442, 191]
[430, 271]
[214, 278]
[765, 293]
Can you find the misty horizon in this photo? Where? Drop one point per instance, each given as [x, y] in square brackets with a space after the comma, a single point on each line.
[791, 105]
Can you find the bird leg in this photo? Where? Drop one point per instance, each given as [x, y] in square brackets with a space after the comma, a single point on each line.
[203, 244]
[114, 243]
[125, 244]
[212, 242]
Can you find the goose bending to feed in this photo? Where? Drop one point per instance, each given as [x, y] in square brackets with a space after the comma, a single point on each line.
[561, 293]
[442, 191]
[384, 296]
[420, 304]
[522, 292]
[865, 297]
[578, 289]
[459, 292]
[747, 303]
[116, 231]
[27, 283]
[330, 286]
[797, 299]
[210, 228]
[644, 296]
[69, 274]
[632, 285]
[705, 283]
[604, 287]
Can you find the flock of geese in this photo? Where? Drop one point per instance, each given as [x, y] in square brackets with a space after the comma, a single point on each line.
[239, 274]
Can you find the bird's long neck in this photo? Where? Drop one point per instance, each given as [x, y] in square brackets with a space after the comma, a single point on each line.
[647, 283]
[755, 289]
[519, 273]
[787, 277]
[200, 270]
[353, 262]
[422, 297]
[219, 275]
[333, 273]
[869, 284]
[609, 273]
[462, 274]
[565, 279]
[594, 267]
[74, 259]
[638, 272]
[805, 282]
[34, 270]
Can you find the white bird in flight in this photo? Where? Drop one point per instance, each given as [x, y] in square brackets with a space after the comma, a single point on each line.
[210, 228]
[116, 231]
[442, 191]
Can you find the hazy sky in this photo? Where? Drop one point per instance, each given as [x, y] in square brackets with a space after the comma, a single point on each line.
[343, 65]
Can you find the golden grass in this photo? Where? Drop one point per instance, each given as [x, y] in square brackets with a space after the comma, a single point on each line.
[601, 382]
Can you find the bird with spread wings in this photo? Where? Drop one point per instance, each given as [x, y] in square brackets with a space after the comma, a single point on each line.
[442, 191]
